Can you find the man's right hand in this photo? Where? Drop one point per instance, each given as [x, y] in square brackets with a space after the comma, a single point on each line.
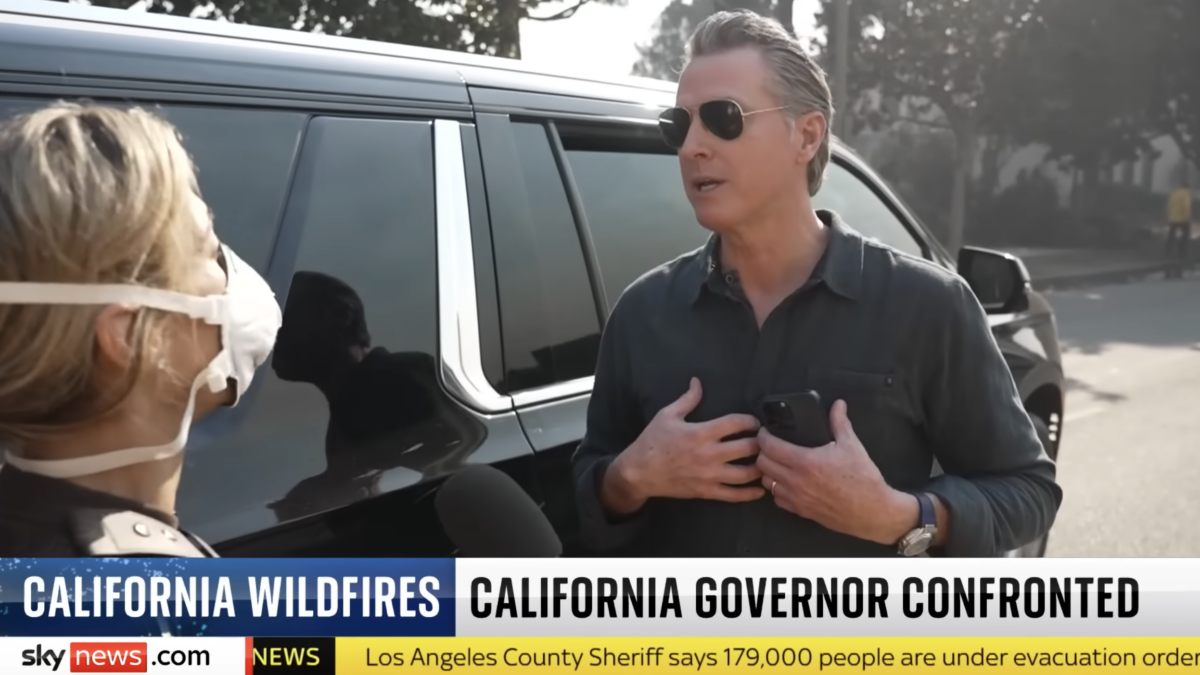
[684, 460]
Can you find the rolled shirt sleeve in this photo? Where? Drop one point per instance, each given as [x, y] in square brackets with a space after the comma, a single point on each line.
[613, 424]
[999, 483]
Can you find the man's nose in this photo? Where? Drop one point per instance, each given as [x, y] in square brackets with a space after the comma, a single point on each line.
[698, 142]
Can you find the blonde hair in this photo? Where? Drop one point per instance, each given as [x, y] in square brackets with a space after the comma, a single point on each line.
[88, 195]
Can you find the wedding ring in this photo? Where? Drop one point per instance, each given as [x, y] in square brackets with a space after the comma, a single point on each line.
[773, 484]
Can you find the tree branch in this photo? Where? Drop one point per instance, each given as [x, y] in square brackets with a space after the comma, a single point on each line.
[924, 123]
[565, 14]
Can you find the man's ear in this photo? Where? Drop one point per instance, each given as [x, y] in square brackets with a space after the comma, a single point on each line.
[113, 327]
[809, 130]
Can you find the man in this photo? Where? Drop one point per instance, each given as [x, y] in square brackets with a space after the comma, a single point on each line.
[784, 299]
[1179, 224]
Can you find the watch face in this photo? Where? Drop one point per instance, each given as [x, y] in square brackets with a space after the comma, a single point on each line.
[917, 544]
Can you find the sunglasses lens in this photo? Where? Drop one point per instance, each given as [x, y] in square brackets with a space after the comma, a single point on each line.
[722, 118]
[674, 123]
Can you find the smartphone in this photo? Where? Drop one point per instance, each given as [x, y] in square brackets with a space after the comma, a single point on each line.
[800, 419]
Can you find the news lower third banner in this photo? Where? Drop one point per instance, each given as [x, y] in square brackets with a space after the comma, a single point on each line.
[575, 615]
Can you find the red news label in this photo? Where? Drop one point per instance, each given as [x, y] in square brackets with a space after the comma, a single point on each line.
[109, 657]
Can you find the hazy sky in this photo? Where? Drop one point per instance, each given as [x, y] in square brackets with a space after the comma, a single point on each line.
[603, 40]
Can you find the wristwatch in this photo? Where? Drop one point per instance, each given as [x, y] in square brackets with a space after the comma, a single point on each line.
[917, 541]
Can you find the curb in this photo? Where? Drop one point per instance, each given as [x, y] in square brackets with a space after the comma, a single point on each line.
[1126, 275]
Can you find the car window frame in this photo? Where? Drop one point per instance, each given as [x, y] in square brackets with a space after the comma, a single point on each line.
[555, 125]
[509, 208]
[616, 137]
[933, 249]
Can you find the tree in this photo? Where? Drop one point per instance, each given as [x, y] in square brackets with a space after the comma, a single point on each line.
[662, 58]
[858, 105]
[1175, 102]
[1086, 101]
[939, 61]
[477, 26]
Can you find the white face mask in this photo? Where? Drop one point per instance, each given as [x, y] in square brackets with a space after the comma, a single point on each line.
[248, 314]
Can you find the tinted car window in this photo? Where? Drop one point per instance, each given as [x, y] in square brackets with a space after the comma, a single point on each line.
[348, 406]
[847, 195]
[231, 149]
[637, 211]
[548, 314]
[640, 217]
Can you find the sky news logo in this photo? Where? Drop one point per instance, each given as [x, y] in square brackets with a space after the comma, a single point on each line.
[111, 657]
[168, 655]
[90, 657]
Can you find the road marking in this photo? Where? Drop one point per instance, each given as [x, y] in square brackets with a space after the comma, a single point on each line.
[1084, 414]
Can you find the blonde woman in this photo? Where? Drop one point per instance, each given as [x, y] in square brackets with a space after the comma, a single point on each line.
[123, 320]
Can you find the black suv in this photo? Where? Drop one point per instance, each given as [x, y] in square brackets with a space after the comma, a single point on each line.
[447, 234]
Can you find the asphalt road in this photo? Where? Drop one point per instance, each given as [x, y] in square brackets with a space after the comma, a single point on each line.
[1129, 462]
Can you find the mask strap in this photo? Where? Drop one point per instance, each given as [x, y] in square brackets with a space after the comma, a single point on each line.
[208, 308]
[93, 464]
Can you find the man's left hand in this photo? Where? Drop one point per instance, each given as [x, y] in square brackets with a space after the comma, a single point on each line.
[836, 485]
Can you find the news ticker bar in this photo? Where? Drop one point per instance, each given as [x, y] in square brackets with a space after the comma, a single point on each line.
[600, 598]
[551, 656]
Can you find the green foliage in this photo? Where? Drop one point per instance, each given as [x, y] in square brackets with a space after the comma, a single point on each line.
[1080, 96]
[477, 26]
[1093, 80]
[948, 54]
[1175, 98]
[663, 58]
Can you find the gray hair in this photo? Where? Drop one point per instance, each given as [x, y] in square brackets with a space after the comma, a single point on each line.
[800, 83]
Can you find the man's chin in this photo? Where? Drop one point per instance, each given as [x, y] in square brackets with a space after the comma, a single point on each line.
[717, 221]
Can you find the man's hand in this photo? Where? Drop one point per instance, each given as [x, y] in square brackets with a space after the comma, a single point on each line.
[836, 485]
[684, 460]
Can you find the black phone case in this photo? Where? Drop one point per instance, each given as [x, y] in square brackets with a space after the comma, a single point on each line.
[799, 419]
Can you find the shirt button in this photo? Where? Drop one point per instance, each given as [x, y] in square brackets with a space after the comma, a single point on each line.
[729, 278]
[887, 381]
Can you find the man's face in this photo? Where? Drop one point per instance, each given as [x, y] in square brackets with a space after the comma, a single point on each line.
[732, 181]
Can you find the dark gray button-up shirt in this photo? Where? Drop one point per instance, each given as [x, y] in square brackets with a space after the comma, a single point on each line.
[904, 342]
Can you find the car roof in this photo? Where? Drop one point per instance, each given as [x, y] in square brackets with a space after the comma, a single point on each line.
[484, 70]
[208, 38]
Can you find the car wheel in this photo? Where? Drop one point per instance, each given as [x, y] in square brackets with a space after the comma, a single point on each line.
[1036, 548]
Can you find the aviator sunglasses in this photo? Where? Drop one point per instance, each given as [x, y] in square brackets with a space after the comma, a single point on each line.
[723, 118]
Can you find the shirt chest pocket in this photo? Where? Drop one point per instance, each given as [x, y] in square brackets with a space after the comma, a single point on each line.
[879, 404]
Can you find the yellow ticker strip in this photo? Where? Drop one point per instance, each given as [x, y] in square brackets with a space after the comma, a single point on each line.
[678, 656]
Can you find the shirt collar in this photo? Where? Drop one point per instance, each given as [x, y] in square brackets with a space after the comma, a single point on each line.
[840, 267]
[53, 499]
